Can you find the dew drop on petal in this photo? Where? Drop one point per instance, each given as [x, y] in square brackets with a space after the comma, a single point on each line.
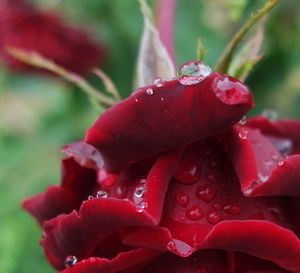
[70, 261]
[171, 245]
[90, 197]
[193, 72]
[194, 213]
[143, 181]
[213, 217]
[243, 134]
[243, 120]
[182, 199]
[101, 194]
[141, 206]
[205, 193]
[188, 172]
[158, 82]
[149, 91]
[280, 163]
[140, 190]
[270, 114]
[233, 209]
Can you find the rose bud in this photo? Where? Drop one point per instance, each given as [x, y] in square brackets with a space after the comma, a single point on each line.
[168, 115]
[25, 27]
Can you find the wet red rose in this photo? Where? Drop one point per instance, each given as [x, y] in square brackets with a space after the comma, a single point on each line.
[168, 181]
[24, 26]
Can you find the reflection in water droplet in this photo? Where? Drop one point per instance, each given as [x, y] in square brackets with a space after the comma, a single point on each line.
[171, 245]
[206, 193]
[159, 82]
[182, 199]
[243, 120]
[140, 190]
[194, 213]
[143, 181]
[101, 194]
[149, 91]
[193, 72]
[141, 206]
[70, 261]
[213, 217]
[90, 197]
[232, 209]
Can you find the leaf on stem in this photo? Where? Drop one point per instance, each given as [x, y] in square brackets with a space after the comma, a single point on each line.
[34, 59]
[153, 60]
[226, 58]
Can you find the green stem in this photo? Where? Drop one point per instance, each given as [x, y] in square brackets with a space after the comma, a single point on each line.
[36, 60]
[225, 60]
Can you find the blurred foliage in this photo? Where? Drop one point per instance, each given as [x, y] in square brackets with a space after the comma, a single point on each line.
[38, 114]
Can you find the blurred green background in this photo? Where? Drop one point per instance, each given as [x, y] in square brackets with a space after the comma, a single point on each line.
[39, 114]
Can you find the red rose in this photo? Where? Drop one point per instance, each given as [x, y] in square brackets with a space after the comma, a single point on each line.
[23, 26]
[166, 181]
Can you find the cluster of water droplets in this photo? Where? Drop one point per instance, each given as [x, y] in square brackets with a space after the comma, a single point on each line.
[193, 72]
[99, 194]
[139, 192]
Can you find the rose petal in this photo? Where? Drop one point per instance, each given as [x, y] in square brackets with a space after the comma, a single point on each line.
[144, 125]
[261, 168]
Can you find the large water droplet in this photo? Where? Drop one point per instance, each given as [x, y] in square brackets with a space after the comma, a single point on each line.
[194, 213]
[230, 91]
[205, 193]
[140, 190]
[70, 261]
[149, 91]
[213, 217]
[233, 209]
[101, 194]
[193, 72]
[158, 82]
[182, 199]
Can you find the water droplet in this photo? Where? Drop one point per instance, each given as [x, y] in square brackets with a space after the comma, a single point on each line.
[143, 181]
[90, 197]
[270, 114]
[101, 194]
[171, 245]
[213, 217]
[194, 213]
[232, 209]
[188, 171]
[70, 261]
[243, 134]
[193, 72]
[141, 206]
[136, 100]
[243, 120]
[205, 193]
[182, 199]
[159, 82]
[263, 178]
[280, 163]
[139, 191]
[149, 91]
[230, 90]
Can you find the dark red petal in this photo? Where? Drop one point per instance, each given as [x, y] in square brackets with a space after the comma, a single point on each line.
[202, 261]
[261, 168]
[174, 115]
[182, 226]
[54, 201]
[122, 261]
[285, 128]
[247, 263]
